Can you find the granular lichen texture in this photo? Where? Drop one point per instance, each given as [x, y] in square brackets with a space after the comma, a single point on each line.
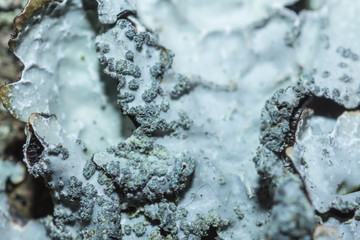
[181, 120]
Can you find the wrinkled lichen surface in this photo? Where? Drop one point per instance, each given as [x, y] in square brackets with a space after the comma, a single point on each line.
[189, 119]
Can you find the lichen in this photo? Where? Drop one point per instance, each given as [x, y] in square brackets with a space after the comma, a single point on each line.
[189, 119]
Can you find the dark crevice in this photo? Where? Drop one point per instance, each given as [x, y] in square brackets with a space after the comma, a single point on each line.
[302, 5]
[130, 209]
[133, 120]
[157, 222]
[163, 233]
[299, 6]
[211, 234]
[125, 14]
[296, 117]
[154, 222]
[326, 107]
[264, 194]
[321, 106]
[34, 148]
[41, 198]
[338, 215]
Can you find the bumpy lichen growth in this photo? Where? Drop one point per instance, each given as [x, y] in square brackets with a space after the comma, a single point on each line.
[143, 170]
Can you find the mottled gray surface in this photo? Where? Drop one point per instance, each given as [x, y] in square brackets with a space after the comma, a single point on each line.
[209, 137]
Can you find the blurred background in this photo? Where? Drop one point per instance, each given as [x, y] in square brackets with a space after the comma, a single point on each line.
[27, 197]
